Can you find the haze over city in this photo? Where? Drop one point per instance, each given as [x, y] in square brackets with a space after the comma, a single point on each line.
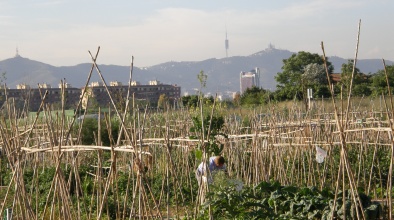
[154, 31]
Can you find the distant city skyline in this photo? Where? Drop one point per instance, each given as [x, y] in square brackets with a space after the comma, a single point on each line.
[60, 32]
[249, 79]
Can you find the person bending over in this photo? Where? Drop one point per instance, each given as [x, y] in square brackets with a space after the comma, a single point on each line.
[215, 163]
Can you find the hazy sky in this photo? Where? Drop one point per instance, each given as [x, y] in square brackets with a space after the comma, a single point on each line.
[61, 32]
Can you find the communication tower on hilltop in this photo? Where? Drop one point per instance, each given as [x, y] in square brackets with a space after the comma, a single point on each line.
[17, 52]
[226, 44]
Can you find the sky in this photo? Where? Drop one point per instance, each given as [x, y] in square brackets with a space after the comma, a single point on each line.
[61, 32]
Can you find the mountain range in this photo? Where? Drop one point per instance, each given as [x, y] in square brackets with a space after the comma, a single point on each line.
[223, 74]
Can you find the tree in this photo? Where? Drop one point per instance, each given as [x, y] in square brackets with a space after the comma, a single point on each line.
[360, 80]
[190, 101]
[315, 78]
[291, 81]
[254, 96]
[314, 74]
[346, 75]
[163, 102]
[379, 83]
[208, 100]
[362, 89]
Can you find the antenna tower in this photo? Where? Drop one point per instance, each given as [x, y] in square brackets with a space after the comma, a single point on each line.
[17, 52]
[226, 44]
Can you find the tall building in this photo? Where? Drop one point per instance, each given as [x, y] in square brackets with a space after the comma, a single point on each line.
[249, 79]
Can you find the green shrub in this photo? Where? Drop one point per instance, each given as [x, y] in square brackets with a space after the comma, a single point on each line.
[90, 129]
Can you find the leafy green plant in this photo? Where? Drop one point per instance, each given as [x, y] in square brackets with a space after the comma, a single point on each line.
[212, 128]
[273, 201]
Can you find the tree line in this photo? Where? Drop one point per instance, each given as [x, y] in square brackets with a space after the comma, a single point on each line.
[305, 70]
